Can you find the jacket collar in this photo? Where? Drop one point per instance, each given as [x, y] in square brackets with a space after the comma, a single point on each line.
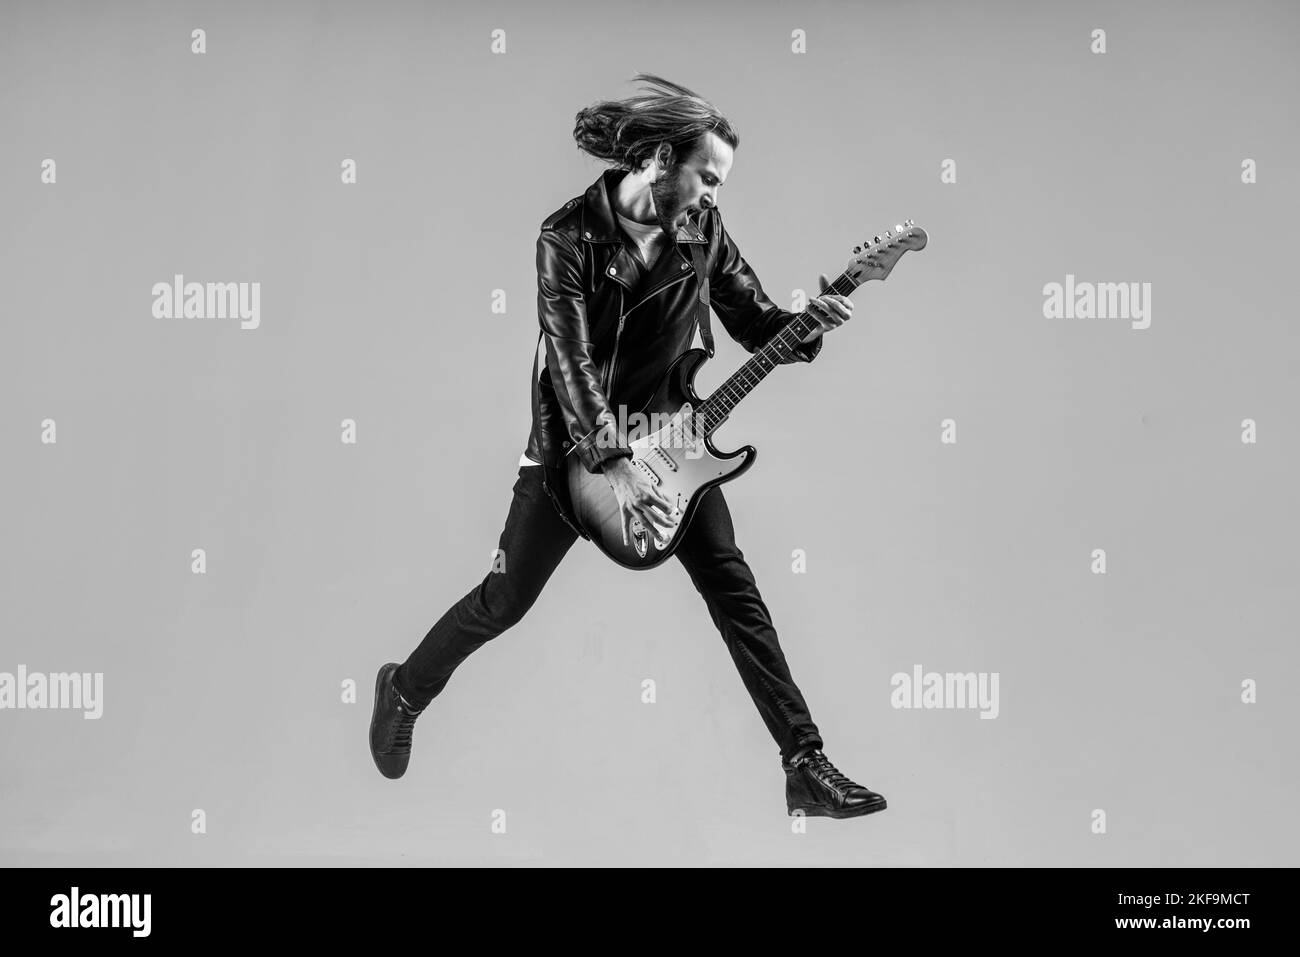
[599, 225]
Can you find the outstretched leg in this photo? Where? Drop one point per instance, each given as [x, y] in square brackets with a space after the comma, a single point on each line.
[721, 575]
[531, 546]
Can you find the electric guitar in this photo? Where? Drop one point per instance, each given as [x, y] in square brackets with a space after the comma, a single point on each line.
[676, 452]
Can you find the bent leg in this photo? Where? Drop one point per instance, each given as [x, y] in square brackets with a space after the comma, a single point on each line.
[721, 575]
[532, 544]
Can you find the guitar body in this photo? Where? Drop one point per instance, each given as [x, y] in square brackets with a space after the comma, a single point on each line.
[682, 471]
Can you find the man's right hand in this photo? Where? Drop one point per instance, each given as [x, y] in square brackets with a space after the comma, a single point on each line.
[639, 500]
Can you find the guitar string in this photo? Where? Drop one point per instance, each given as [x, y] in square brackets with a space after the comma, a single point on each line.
[753, 371]
[775, 346]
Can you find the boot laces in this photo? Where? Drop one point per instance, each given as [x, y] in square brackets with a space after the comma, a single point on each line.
[403, 727]
[827, 772]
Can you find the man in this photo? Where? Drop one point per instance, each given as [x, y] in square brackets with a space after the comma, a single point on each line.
[617, 302]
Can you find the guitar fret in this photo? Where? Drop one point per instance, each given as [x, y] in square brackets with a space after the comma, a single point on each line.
[714, 410]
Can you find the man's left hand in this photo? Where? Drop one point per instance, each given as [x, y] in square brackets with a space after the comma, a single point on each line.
[830, 310]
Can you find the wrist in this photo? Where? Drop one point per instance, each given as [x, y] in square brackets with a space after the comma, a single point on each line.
[614, 464]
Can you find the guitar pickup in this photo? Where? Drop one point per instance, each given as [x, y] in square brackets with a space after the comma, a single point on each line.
[663, 458]
[644, 467]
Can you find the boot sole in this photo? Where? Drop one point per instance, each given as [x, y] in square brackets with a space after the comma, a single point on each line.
[848, 812]
[374, 719]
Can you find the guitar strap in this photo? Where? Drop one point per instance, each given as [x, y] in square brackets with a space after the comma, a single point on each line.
[702, 304]
[537, 402]
[554, 480]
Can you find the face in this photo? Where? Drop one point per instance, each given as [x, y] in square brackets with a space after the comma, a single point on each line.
[691, 184]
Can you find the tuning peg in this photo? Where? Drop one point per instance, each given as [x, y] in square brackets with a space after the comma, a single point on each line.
[876, 239]
[857, 249]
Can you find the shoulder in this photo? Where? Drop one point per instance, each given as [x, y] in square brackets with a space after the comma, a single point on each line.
[559, 250]
[565, 219]
[709, 222]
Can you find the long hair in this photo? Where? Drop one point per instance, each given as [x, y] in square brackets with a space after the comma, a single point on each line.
[628, 132]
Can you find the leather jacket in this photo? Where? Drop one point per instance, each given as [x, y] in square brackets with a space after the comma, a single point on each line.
[602, 349]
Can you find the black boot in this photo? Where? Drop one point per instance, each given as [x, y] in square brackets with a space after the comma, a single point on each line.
[391, 724]
[814, 785]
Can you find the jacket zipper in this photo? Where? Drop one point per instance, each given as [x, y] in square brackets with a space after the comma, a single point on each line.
[613, 362]
[613, 367]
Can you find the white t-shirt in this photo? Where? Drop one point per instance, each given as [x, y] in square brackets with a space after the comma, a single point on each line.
[649, 243]
[647, 238]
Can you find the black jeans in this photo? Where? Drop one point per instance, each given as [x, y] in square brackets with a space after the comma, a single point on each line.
[534, 541]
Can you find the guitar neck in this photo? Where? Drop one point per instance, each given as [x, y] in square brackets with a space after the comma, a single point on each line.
[714, 410]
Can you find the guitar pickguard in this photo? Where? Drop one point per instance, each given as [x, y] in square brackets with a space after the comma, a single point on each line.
[682, 466]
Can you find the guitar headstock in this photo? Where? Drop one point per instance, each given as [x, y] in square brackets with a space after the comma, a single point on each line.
[877, 258]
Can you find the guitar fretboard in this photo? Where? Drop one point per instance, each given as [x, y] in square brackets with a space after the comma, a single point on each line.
[714, 410]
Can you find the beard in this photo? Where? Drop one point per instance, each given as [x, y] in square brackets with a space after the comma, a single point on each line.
[666, 193]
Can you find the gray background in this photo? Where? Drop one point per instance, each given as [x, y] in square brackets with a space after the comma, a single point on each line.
[222, 691]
